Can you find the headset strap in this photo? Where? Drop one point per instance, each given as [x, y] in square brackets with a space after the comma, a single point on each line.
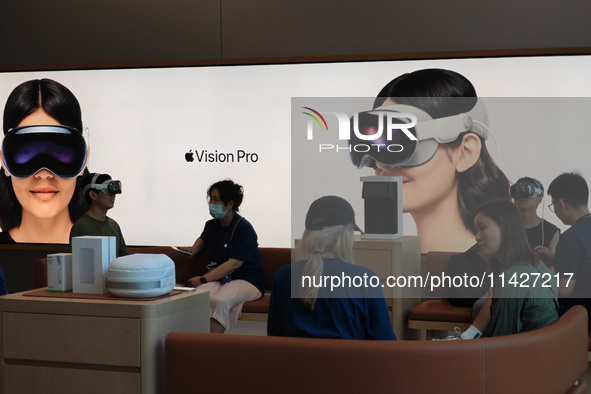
[92, 183]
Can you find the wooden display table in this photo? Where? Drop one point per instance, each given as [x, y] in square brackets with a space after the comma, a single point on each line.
[79, 345]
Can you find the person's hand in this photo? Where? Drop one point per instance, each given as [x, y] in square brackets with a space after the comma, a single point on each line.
[194, 281]
[544, 254]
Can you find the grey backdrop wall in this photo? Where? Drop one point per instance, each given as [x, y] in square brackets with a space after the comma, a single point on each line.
[38, 34]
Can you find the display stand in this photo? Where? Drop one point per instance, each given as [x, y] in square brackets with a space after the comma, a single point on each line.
[69, 345]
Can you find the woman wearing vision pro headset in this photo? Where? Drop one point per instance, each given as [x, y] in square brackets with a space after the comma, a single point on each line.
[43, 156]
[448, 173]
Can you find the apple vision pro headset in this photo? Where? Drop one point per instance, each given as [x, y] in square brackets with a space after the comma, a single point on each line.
[109, 186]
[428, 133]
[526, 189]
[62, 150]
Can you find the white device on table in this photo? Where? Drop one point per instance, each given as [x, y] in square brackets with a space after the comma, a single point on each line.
[182, 251]
[184, 288]
[91, 256]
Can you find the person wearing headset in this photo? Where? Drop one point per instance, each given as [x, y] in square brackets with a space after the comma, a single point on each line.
[447, 172]
[44, 155]
[100, 191]
[528, 194]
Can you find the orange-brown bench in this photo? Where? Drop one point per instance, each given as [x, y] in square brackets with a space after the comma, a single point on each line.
[437, 314]
[549, 360]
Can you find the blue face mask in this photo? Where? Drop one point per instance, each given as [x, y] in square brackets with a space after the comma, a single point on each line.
[216, 211]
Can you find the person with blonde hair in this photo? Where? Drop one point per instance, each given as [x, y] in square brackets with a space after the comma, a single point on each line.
[325, 294]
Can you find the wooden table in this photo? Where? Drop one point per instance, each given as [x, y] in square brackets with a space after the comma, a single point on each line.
[107, 345]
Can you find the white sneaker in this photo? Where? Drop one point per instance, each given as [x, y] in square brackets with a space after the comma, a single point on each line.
[455, 337]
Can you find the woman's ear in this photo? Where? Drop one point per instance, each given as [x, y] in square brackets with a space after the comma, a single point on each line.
[468, 153]
[230, 204]
[4, 169]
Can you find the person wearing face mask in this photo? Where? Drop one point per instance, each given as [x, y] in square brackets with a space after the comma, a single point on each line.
[235, 274]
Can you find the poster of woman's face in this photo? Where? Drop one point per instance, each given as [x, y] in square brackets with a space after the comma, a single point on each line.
[442, 190]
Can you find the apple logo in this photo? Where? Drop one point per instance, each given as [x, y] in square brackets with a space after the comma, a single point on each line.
[189, 156]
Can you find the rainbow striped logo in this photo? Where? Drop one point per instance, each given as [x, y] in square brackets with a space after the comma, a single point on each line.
[317, 117]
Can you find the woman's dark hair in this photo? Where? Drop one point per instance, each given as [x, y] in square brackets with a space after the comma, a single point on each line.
[87, 179]
[51, 96]
[59, 103]
[428, 90]
[229, 191]
[515, 247]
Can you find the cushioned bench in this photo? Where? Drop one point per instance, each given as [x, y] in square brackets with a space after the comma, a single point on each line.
[437, 314]
[550, 360]
[273, 259]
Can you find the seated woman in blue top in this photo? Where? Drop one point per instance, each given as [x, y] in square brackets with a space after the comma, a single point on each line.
[320, 309]
[231, 244]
